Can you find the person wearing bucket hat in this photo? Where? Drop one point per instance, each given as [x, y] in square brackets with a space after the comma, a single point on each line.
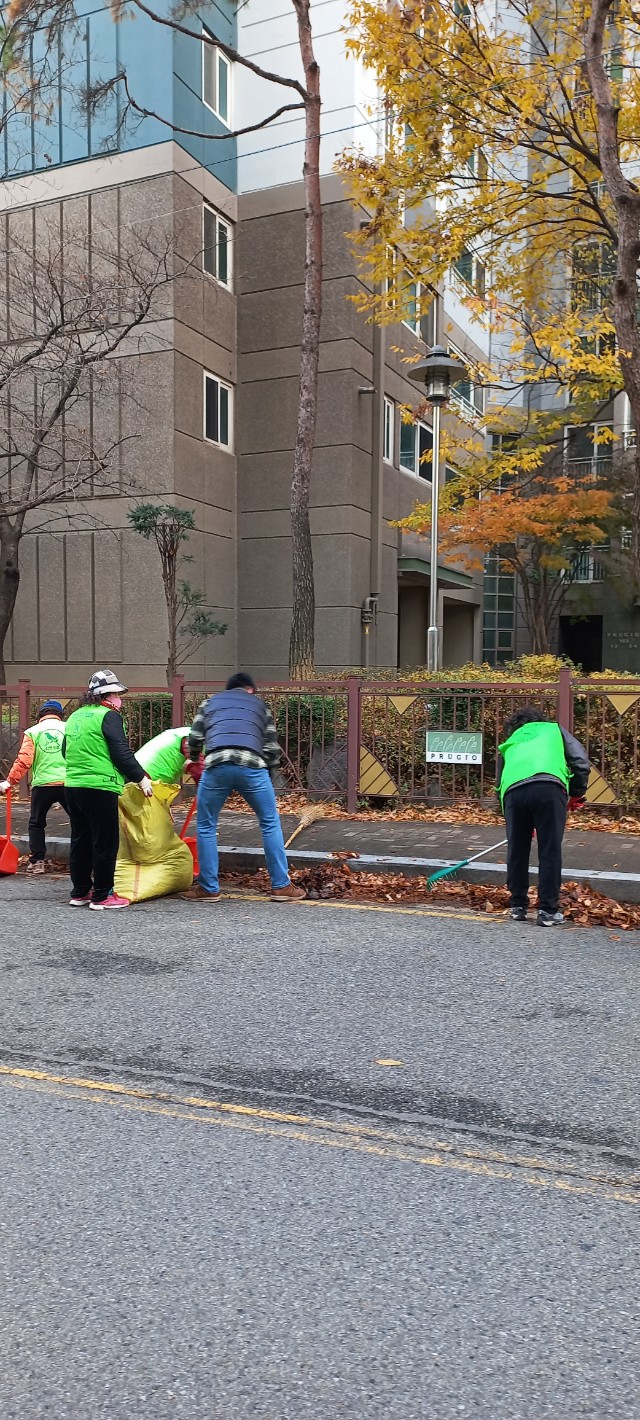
[41, 754]
[99, 763]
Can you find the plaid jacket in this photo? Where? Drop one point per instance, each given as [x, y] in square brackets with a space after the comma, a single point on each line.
[245, 758]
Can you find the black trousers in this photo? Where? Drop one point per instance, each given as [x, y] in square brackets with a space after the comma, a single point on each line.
[541, 805]
[94, 841]
[42, 798]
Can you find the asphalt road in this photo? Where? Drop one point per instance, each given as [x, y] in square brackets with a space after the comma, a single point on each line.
[220, 1200]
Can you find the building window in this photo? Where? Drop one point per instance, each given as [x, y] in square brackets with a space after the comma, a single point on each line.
[216, 246]
[428, 323]
[478, 165]
[499, 612]
[217, 411]
[589, 451]
[416, 442]
[467, 395]
[593, 269]
[462, 13]
[469, 274]
[413, 301]
[389, 423]
[216, 79]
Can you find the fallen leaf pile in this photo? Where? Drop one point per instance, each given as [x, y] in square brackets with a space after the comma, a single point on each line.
[469, 812]
[581, 905]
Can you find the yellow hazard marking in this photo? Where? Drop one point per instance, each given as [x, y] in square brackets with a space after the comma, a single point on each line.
[374, 778]
[598, 791]
[401, 703]
[622, 702]
[329, 1133]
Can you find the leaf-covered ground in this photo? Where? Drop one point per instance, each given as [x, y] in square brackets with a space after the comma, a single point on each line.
[337, 881]
[581, 905]
[447, 813]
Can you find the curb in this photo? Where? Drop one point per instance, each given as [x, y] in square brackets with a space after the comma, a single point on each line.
[622, 887]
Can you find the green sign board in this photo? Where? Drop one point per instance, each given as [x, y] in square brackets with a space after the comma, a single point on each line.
[454, 747]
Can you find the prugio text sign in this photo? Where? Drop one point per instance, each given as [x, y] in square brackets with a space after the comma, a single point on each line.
[454, 747]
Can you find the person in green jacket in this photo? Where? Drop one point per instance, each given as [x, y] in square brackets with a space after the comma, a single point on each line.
[40, 754]
[99, 763]
[165, 758]
[541, 769]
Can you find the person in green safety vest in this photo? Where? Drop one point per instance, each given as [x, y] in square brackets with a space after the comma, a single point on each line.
[165, 758]
[99, 763]
[41, 754]
[542, 770]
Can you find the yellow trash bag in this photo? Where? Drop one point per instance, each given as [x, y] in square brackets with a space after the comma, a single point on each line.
[152, 860]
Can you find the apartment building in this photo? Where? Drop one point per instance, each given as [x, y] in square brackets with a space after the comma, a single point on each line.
[208, 404]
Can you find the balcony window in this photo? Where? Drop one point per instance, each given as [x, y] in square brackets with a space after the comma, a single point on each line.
[416, 442]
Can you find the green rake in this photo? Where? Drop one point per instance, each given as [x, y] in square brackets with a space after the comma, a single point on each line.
[455, 867]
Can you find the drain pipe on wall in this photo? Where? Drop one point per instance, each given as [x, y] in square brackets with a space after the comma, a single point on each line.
[369, 613]
[369, 609]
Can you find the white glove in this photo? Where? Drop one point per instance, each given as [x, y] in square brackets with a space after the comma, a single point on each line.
[5, 786]
[146, 786]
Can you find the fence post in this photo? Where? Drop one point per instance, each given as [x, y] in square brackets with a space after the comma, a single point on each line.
[24, 721]
[177, 700]
[564, 708]
[353, 742]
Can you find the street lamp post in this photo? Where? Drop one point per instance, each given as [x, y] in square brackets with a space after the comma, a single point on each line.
[437, 372]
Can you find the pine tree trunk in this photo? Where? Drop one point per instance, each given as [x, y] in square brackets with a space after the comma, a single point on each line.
[9, 583]
[171, 598]
[302, 641]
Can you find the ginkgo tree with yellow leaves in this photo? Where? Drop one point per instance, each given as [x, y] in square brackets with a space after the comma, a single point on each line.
[512, 138]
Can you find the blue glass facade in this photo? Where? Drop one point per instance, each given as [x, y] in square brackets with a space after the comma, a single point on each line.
[164, 74]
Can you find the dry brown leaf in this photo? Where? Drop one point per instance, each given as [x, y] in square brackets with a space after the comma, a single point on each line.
[583, 906]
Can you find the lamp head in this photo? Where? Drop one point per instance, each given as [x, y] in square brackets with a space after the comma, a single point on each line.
[437, 373]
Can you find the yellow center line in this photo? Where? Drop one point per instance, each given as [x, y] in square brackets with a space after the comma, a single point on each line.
[451, 913]
[305, 1129]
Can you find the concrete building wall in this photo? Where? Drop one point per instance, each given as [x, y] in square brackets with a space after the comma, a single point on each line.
[270, 272]
[91, 589]
[267, 33]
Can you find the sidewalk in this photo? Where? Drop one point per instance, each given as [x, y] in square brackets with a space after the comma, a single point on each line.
[610, 862]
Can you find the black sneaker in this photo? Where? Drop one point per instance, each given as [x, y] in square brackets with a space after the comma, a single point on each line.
[550, 919]
[518, 914]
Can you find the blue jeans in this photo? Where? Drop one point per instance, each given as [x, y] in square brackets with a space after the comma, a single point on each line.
[255, 786]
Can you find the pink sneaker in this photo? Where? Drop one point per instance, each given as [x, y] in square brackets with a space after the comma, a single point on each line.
[80, 901]
[111, 901]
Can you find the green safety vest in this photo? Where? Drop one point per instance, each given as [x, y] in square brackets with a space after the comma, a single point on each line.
[537, 748]
[48, 762]
[88, 762]
[162, 757]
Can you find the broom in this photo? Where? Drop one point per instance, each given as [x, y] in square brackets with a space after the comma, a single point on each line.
[455, 867]
[307, 816]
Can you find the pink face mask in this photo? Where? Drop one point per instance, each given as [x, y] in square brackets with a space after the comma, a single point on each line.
[115, 701]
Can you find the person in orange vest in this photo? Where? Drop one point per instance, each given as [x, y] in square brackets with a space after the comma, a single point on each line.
[41, 753]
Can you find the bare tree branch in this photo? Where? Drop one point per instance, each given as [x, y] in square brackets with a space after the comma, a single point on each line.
[196, 132]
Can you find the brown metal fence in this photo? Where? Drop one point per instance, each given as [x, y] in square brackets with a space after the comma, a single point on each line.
[312, 724]
[354, 738]
[605, 717]
[146, 711]
[395, 721]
